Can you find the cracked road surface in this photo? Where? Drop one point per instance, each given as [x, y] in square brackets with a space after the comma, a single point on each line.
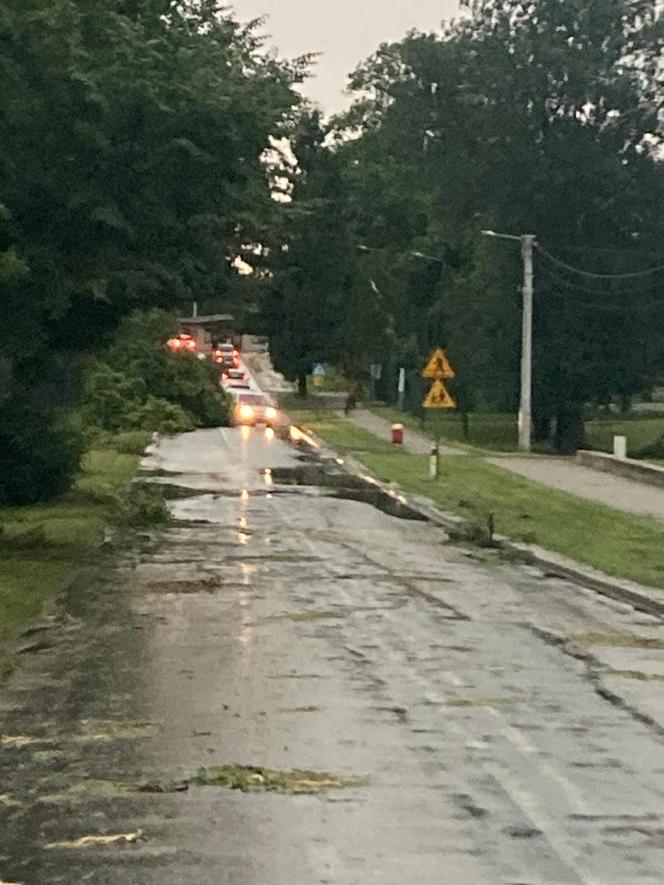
[509, 725]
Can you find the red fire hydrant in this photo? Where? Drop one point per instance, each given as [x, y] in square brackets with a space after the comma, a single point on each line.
[397, 434]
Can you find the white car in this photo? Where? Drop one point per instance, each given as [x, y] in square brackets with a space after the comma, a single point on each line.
[253, 408]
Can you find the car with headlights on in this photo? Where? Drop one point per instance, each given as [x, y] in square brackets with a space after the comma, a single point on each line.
[251, 408]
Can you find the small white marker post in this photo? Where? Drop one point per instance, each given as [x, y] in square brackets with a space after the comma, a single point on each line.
[620, 447]
[434, 461]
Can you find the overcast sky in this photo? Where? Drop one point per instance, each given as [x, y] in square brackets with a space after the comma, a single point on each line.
[345, 31]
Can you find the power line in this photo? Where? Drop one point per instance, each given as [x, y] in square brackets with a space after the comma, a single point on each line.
[621, 293]
[632, 306]
[614, 250]
[597, 276]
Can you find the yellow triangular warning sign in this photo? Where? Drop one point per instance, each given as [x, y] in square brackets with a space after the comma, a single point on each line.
[439, 398]
[439, 367]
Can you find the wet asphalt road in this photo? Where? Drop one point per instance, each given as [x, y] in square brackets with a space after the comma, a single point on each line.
[510, 726]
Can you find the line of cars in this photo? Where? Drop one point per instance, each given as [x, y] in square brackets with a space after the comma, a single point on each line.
[250, 407]
[226, 355]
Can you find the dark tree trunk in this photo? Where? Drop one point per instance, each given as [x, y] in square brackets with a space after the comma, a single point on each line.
[302, 390]
[569, 429]
[541, 427]
[465, 423]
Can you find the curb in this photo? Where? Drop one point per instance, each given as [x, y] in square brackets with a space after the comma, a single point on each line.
[649, 600]
[626, 468]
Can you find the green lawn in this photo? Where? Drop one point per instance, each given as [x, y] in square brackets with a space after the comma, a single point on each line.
[640, 431]
[41, 545]
[617, 543]
[495, 431]
[341, 435]
[498, 432]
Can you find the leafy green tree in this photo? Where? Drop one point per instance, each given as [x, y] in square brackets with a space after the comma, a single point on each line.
[539, 120]
[130, 164]
[140, 384]
[312, 272]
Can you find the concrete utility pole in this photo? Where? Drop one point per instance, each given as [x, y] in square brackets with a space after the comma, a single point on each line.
[526, 409]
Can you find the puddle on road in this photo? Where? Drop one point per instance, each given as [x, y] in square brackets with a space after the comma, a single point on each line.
[254, 779]
[204, 585]
[347, 486]
[173, 492]
[310, 477]
[317, 474]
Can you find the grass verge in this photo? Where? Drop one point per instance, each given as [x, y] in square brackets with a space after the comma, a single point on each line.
[495, 432]
[41, 545]
[499, 433]
[640, 430]
[618, 543]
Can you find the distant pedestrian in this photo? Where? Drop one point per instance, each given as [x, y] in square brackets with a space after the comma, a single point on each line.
[351, 400]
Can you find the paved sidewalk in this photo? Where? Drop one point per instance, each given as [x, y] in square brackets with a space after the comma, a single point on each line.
[568, 476]
[556, 473]
[413, 442]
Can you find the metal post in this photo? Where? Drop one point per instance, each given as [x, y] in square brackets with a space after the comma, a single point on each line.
[195, 309]
[434, 460]
[401, 389]
[525, 411]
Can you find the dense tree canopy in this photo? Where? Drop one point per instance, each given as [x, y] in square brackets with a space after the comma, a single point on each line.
[320, 308]
[131, 143]
[539, 118]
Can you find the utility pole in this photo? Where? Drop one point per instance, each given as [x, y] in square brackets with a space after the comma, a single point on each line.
[528, 242]
[526, 410]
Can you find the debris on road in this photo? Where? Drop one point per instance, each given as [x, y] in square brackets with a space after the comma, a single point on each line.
[252, 779]
[100, 841]
[112, 730]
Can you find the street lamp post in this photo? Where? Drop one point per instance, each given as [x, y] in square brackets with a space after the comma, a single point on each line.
[526, 409]
[401, 386]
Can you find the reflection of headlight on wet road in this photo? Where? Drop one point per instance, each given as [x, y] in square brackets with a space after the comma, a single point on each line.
[269, 434]
[298, 435]
[245, 433]
[244, 637]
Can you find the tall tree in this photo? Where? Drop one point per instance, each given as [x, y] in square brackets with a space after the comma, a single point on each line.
[313, 270]
[130, 161]
[536, 119]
